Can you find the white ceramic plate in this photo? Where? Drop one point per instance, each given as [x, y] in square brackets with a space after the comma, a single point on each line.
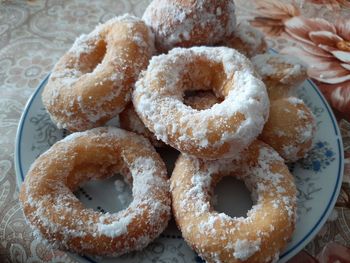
[318, 180]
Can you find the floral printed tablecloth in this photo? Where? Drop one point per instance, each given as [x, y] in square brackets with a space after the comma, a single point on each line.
[34, 34]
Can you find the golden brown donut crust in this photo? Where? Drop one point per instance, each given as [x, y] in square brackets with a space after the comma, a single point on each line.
[92, 82]
[247, 40]
[219, 132]
[130, 121]
[216, 237]
[290, 128]
[187, 23]
[282, 74]
[56, 215]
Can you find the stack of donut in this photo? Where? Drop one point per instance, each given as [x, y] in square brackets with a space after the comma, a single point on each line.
[186, 76]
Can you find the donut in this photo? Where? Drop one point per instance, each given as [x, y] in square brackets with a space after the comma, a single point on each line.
[219, 132]
[282, 74]
[290, 128]
[57, 216]
[217, 237]
[179, 23]
[92, 82]
[247, 40]
[131, 122]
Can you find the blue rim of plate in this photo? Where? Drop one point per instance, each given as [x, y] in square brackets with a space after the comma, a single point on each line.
[286, 255]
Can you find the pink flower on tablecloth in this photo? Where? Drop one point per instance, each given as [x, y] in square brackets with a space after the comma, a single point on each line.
[302, 257]
[332, 4]
[334, 252]
[272, 14]
[325, 47]
[346, 178]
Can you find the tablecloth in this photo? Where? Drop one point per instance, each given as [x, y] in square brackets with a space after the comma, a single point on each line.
[34, 34]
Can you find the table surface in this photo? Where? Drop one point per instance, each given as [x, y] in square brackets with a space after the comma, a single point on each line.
[34, 34]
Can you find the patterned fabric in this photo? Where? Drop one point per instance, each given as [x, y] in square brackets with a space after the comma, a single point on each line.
[316, 32]
[34, 34]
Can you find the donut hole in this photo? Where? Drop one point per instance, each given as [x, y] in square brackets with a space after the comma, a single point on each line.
[204, 84]
[206, 75]
[232, 197]
[108, 195]
[200, 100]
[99, 180]
[90, 60]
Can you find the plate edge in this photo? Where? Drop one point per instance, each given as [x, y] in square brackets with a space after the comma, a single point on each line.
[17, 157]
[285, 257]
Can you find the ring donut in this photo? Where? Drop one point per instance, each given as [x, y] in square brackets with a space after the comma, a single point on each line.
[246, 39]
[282, 74]
[290, 128]
[56, 215]
[179, 23]
[219, 132]
[217, 237]
[92, 82]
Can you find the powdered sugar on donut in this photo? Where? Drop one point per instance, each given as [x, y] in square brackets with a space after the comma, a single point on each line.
[250, 36]
[273, 192]
[55, 212]
[244, 249]
[114, 229]
[84, 92]
[282, 67]
[164, 113]
[198, 22]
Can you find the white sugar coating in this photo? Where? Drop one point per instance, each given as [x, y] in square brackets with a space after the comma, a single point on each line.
[125, 198]
[94, 115]
[295, 100]
[59, 200]
[302, 114]
[108, 131]
[275, 195]
[280, 133]
[86, 42]
[271, 65]
[166, 114]
[72, 76]
[131, 122]
[202, 180]
[305, 133]
[298, 141]
[119, 185]
[244, 249]
[73, 136]
[250, 36]
[115, 228]
[174, 22]
[142, 170]
[262, 66]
